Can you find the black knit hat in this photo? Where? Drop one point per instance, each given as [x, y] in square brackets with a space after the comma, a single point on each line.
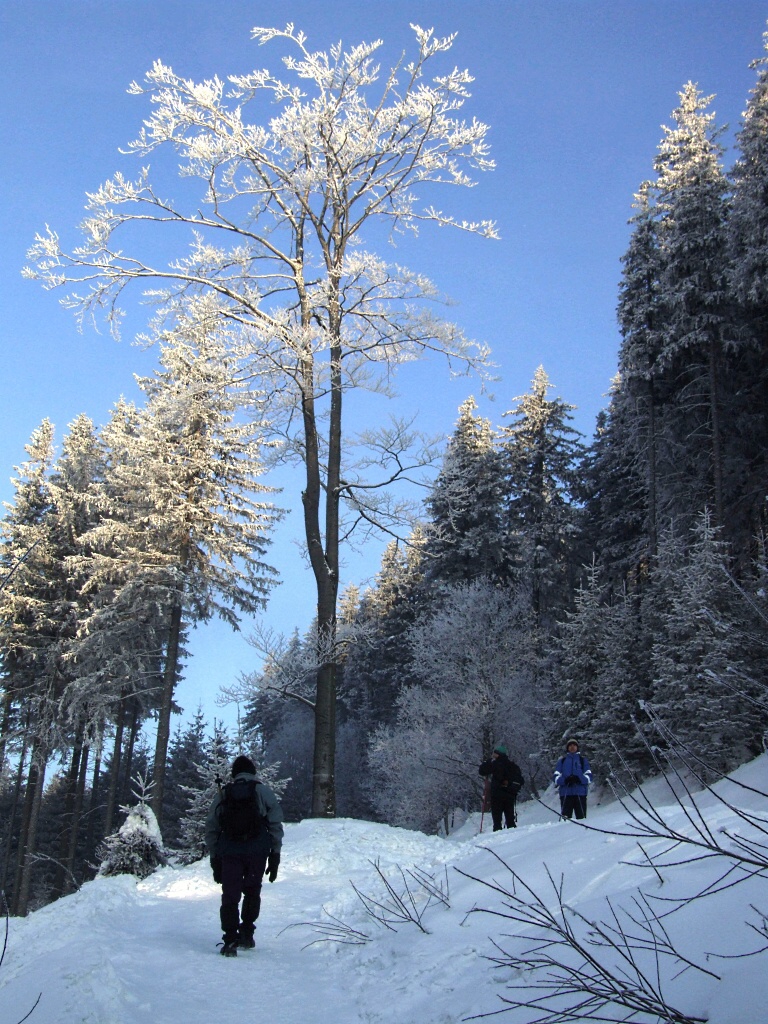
[243, 764]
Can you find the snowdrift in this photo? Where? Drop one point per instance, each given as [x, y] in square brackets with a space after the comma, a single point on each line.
[122, 952]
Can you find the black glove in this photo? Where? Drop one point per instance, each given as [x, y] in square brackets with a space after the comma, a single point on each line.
[573, 780]
[216, 867]
[273, 863]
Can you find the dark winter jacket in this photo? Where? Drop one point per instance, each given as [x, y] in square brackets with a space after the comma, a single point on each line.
[271, 839]
[505, 775]
[573, 775]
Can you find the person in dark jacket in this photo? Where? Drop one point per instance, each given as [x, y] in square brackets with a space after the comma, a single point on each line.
[506, 782]
[573, 777]
[239, 864]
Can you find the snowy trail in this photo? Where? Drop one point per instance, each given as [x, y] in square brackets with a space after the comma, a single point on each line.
[117, 952]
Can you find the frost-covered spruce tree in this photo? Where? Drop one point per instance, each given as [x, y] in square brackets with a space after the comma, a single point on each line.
[191, 524]
[464, 534]
[618, 730]
[31, 600]
[78, 498]
[602, 676]
[209, 774]
[120, 644]
[137, 846]
[542, 453]
[474, 659]
[644, 386]
[613, 523]
[748, 242]
[702, 689]
[282, 237]
[692, 211]
[580, 661]
[185, 752]
[25, 561]
[379, 666]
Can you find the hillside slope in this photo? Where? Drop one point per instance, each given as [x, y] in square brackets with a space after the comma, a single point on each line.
[118, 952]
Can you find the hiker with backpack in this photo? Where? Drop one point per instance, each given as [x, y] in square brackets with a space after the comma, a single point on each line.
[573, 777]
[244, 834]
[506, 782]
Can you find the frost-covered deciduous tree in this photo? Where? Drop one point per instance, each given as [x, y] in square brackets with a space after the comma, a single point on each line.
[476, 667]
[278, 239]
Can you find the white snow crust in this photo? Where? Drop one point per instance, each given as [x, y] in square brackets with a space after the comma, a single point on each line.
[122, 952]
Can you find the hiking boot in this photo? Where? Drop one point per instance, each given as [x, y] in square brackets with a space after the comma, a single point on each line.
[246, 942]
[229, 948]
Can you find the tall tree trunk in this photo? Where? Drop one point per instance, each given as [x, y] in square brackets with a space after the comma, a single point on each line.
[326, 571]
[128, 757]
[114, 769]
[653, 513]
[26, 816]
[77, 813]
[60, 883]
[93, 806]
[5, 723]
[12, 815]
[21, 899]
[170, 674]
[717, 454]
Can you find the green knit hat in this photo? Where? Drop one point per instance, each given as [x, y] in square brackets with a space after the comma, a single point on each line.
[499, 749]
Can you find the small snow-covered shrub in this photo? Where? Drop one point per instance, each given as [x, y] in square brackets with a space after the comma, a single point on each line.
[137, 846]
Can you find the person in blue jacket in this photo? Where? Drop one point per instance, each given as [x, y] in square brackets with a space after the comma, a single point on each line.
[573, 777]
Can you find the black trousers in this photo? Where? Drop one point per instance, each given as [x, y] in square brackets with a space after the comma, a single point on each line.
[241, 876]
[503, 805]
[573, 805]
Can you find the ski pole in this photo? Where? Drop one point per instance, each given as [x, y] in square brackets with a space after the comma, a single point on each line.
[485, 800]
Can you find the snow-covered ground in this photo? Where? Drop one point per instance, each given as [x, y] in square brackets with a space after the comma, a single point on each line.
[118, 952]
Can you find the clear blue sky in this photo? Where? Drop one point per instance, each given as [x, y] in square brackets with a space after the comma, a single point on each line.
[575, 92]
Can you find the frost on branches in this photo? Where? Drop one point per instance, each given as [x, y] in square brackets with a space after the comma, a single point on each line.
[276, 240]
